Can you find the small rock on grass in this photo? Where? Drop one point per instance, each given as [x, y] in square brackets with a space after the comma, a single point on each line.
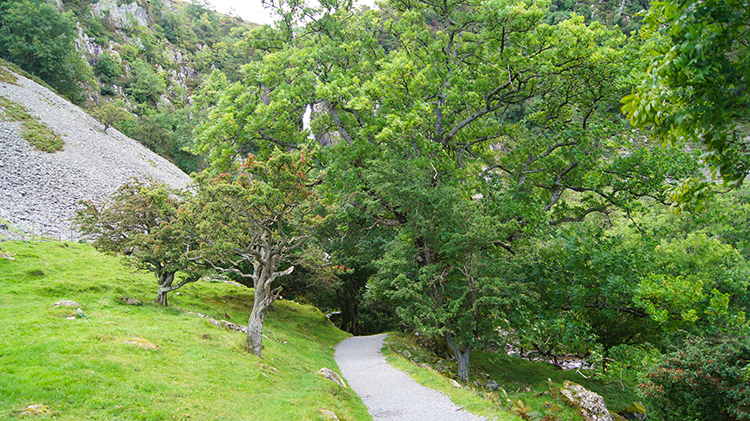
[330, 415]
[66, 303]
[36, 409]
[131, 301]
[332, 376]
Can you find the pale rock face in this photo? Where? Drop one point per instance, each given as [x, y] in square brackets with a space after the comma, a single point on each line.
[121, 15]
[593, 407]
[87, 44]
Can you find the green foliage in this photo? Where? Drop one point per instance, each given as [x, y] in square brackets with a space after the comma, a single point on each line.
[698, 274]
[168, 132]
[465, 149]
[252, 224]
[145, 86]
[705, 379]
[110, 114]
[695, 86]
[140, 223]
[107, 68]
[38, 134]
[353, 246]
[644, 284]
[37, 37]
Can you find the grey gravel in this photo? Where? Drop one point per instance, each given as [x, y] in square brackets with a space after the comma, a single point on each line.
[44, 189]
[388, 393]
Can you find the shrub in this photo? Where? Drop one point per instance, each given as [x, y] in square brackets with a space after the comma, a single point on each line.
[107, 68]
[706, 379]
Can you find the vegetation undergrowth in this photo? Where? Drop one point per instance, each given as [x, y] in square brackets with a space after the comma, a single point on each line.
[112, 361]
[6, 76]
[38, 134]
[530, 390]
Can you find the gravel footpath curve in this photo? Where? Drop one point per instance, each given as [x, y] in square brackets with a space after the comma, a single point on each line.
[388, 393]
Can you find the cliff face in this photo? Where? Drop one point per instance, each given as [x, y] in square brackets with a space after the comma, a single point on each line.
[44, 189]
[176, 42]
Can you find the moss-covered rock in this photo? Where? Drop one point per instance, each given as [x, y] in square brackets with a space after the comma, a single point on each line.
[634, 412]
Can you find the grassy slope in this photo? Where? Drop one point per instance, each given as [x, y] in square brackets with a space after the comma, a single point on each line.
[526, 384]
[83, 370]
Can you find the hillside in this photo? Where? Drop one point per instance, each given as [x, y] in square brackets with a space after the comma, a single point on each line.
[43, 188]
[142, 362]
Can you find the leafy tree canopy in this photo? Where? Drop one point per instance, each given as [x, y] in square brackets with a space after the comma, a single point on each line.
[37, 37]
[696, 85]
[140, 223]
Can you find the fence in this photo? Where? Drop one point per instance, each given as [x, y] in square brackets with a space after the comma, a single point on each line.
[44, 233]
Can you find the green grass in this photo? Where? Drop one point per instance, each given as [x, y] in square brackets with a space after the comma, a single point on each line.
[7, 65]
[83, 369]
[525, 386]
[6, 76]
[38, 134]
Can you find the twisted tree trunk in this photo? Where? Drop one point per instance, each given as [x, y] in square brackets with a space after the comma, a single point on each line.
[463, 354]
[165, 285]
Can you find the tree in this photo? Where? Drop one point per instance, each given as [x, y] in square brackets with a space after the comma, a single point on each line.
[444, 272]
[705, 379]
[696, 84]
[256, 218]
[473, 113]
[140, 224]
[40, 39]
[110, 114]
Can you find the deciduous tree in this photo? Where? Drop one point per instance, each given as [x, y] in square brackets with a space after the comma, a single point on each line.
[696, 86]
[443, 119]
[140, 223]
[256, 219]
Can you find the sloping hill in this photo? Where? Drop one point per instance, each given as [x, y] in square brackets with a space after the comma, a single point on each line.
[43, 188]
[113, 361]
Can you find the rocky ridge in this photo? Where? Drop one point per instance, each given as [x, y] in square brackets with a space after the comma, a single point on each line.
[42, 190]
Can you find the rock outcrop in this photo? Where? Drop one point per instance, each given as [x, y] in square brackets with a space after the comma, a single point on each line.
[593, 407]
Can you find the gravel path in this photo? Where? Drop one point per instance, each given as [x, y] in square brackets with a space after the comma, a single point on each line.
[388, 393]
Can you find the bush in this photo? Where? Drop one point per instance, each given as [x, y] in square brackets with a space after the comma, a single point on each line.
[107, 68]
[706, 379]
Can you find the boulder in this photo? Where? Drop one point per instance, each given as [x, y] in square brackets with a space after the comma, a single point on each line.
[36, 409]
[332, 376]
[635, 412]
[593, 407]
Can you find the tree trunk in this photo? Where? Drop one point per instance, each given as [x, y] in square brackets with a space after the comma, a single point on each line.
[264, 297]
[165, 282]
[255, 332]
[462, 357]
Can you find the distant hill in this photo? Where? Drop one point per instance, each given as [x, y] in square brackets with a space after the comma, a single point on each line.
[40, 189]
